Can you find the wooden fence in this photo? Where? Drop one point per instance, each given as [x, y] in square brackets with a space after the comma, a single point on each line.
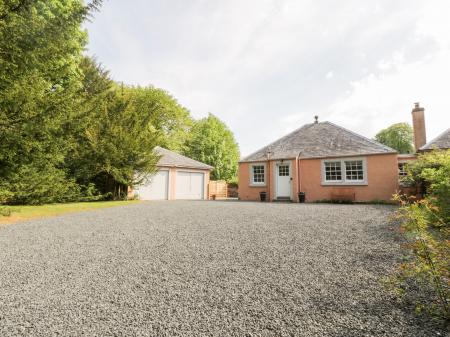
[217, 189]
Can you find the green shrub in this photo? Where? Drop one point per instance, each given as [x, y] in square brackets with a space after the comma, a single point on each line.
[432, 172]
[31, 186]
[5, 211]
[424, 278]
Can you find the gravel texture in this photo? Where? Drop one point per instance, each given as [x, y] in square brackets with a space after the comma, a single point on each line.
[204, 269]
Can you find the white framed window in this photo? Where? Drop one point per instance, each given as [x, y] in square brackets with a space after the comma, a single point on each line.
[348, 171]
[333, 171]
[354, 170]
[258, 174]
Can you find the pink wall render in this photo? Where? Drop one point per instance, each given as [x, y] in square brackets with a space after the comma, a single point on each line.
[382, 180]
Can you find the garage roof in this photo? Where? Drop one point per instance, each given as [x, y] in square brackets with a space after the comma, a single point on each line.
[173, 159]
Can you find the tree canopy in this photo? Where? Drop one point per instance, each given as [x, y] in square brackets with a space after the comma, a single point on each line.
[398, 136]
[67, 130]
[170, 120]
[213, 143]
[41, 44]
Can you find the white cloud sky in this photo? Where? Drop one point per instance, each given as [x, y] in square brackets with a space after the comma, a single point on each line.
[266, 67]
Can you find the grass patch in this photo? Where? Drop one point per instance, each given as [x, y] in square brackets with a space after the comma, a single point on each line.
[20, 213]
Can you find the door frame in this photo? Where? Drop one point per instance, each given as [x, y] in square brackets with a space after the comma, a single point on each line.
[275, 173]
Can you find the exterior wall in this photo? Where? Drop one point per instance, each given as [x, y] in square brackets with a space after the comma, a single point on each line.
[382, 175]
[248, 192]
[382, 179]
[406, 159]
[245, 191]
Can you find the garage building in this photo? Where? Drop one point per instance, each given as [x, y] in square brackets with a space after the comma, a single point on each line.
[178, 177]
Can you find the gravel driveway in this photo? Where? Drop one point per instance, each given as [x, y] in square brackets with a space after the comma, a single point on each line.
[204, 269]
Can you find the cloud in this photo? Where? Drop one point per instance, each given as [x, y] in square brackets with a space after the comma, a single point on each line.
[267, 66]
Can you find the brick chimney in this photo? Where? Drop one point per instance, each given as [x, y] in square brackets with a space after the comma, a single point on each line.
[420, 135]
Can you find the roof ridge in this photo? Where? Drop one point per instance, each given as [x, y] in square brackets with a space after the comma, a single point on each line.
[276, 140]
[181, 156]
[434, 139]
[361, 136]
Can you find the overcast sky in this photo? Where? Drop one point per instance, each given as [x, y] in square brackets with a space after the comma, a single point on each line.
[266, 67]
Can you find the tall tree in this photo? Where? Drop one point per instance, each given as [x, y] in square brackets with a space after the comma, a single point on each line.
[398, 136]
[41, 44]
[213, 143]
[113, 141]
[170, 120]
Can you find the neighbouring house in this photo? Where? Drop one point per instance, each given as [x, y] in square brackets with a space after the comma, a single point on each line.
[177, 177]
[325, 162]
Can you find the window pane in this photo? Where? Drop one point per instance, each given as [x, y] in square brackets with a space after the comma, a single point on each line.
[258, 173]
[283, 170]
[354, 170]
[333, 171]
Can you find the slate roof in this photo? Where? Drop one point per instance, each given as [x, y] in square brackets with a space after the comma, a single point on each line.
[319, 140]
[440, 142]
[173, 159]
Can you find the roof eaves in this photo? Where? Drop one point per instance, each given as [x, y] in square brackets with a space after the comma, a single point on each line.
[264, 160]
[348, 155]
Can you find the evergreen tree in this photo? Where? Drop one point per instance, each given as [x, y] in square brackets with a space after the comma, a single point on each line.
[41, 44]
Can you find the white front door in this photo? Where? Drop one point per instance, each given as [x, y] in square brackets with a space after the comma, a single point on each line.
[189, 185]
[283, 181]
[156, 188]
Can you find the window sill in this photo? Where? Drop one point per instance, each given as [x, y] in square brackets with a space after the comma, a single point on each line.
[359, 183]
[257, 185]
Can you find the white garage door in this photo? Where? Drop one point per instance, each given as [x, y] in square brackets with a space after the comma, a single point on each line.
[156, 188]
[189, 185]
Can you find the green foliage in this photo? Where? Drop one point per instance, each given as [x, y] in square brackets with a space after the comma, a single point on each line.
[426, 223]
[171, 121]
[5, 211]
[41, 44]
[398, 136]
[67, 131]
[432, 172]
[424, 277]
[211, 142]
[114, 142]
